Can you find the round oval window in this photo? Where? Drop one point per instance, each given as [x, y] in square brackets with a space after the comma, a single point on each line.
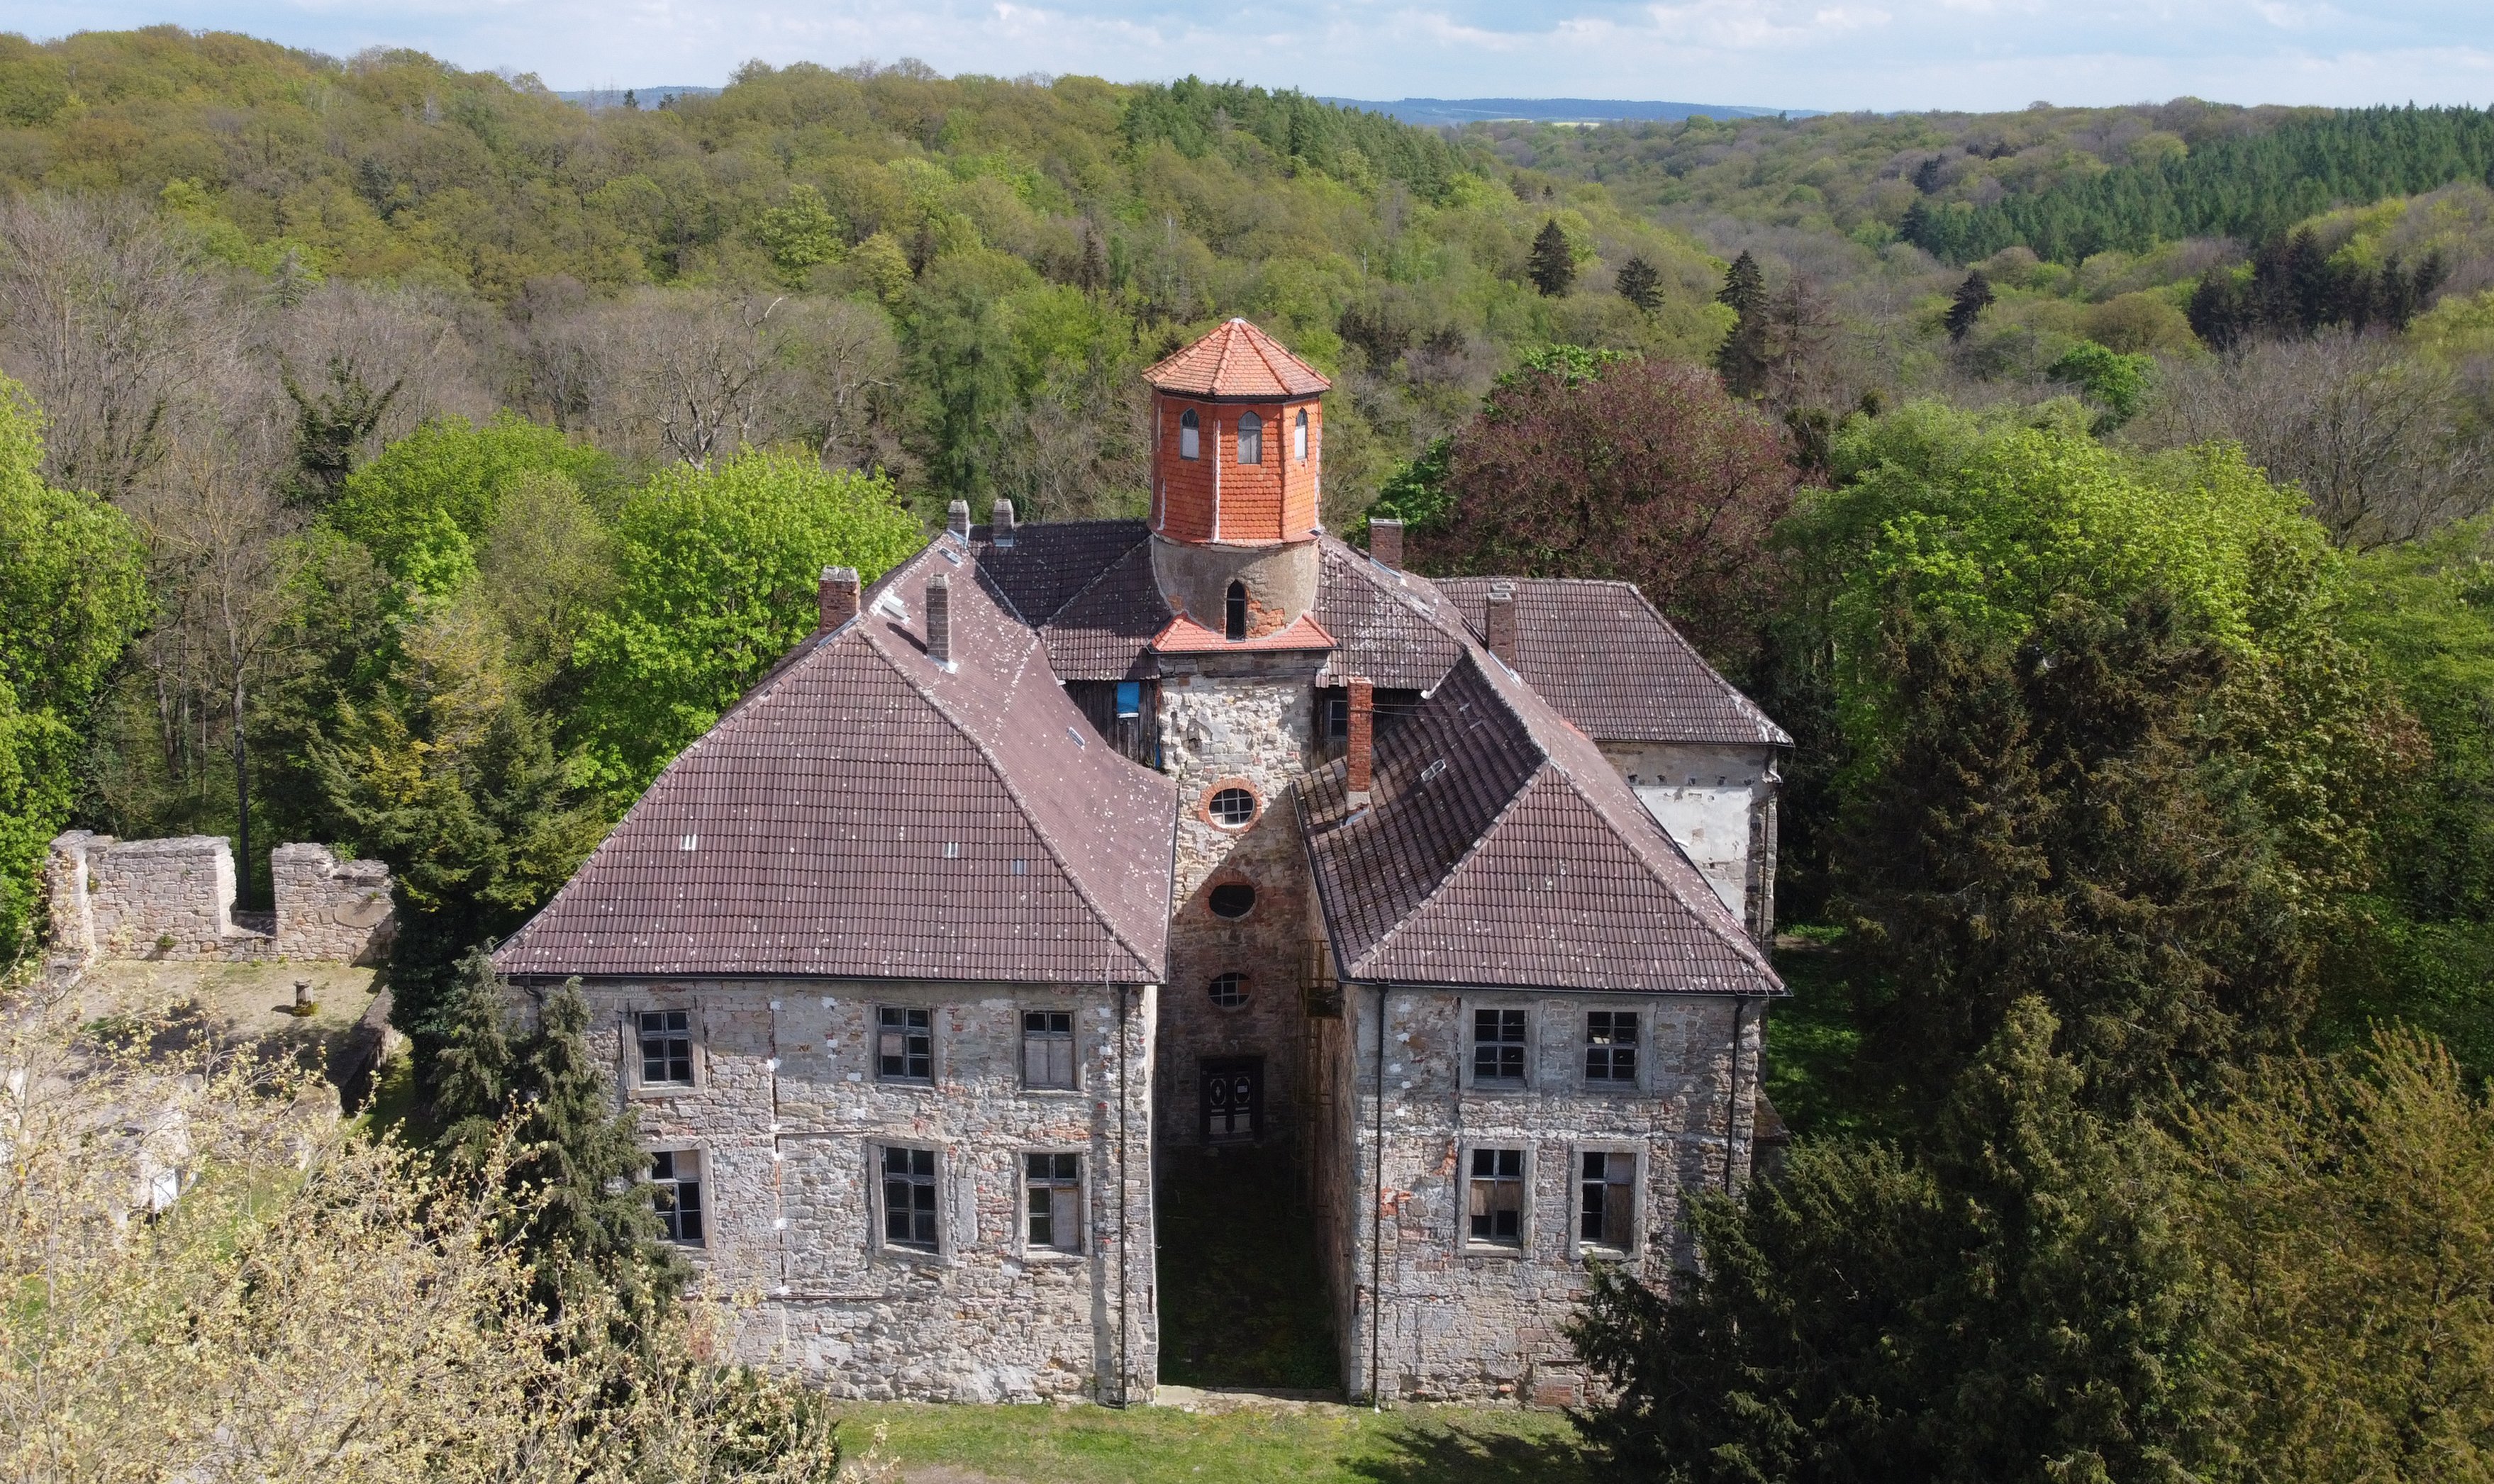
[1233, 899]
[1232, 808]
[1229, 991]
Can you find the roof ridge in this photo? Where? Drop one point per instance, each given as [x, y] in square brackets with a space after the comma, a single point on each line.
[1143, 535]
[1220, 360]
[1021, 805]
[1739, 696]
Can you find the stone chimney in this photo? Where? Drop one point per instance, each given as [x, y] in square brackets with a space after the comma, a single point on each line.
[1386, 543]
[1498, 625]
[835, 601]
[1000, 524]
[957, 519]
[939, 617]
[1360, 751]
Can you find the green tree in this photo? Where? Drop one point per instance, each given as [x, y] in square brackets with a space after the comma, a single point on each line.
[2007, 1304]
[423, 504]
[718, 574]
[2119, 381]
[1742, 359]
[1972, 298]
[1640, 282]
[331, 423]
[1552, 262]
[73, 594]
[801, 234]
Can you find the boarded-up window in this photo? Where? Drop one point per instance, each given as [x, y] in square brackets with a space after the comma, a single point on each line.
[1048, 1048]
[1497, 1197]
[1607, 1201]
[1054, 1186]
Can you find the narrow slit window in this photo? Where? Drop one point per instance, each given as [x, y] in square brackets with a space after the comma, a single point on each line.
[1054, 1183]
[1299, 437]
[1610, 1046]
[904, 1046]
[675, 1193]
[1251, 439]
[1047, 1048]
[1498, 1047]
[1497, 1197]
[1190, 434]
[1606, 1203]
[910, 1198]
[666, 1048]
[1236, 619]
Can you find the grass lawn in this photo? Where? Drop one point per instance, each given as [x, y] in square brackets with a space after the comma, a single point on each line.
[938, 1444]
[1811, 1039]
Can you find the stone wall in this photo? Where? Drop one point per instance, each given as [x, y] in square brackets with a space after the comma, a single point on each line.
[787, 1115]
[1462, 1321]
[173, 899]
[1249, 728]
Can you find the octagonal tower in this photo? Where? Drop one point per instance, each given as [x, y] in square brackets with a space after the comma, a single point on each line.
[1237, 441]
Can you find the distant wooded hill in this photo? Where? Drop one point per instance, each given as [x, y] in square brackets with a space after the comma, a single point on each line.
[1441, 112]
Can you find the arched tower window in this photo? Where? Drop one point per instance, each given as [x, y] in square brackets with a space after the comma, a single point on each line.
[1190, 434]
[1251, 439]
[1237, 606]
[1299, 437]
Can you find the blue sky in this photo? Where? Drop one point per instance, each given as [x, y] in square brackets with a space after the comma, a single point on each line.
[1977, 54]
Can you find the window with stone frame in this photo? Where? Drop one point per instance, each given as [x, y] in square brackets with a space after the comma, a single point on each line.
[1611, 1047]
[1496, 1204]
[1606, 1199]
[909, 1203]
[676, 1193]
[1498, 1047]
[1048, 1049]
[1052, 1202]
[666, 1048]
[904, 1044]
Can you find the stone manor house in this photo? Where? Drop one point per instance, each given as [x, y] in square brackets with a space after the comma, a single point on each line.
[1062, 847]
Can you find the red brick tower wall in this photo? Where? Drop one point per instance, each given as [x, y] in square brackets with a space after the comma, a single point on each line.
[1217, 497]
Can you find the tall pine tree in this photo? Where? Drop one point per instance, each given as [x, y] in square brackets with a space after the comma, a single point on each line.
[1552, 262]
[1742, 359]
[1640, 283]
[1973, 298]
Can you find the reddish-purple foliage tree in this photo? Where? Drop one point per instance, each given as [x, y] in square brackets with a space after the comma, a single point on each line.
[1646, 472]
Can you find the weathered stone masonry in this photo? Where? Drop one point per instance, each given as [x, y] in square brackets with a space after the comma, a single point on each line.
[173, 899]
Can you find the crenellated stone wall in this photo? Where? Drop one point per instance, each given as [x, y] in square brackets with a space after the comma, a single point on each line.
[172, 899]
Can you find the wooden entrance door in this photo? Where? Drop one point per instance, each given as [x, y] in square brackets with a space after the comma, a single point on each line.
[1233, 1099]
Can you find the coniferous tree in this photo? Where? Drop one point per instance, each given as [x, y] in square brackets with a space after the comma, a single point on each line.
[1552, 262]
[472, 1070]
[1973, 298]
[1640, 283]
[1742, 359]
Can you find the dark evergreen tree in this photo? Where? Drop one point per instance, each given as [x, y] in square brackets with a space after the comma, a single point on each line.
[1973, 298]
[331, 425]
[1742, 359]
[2004, 1304]
[1552, 262]
[1640, 283]
[1926, 177]
[472, 1072]
[1091, 273]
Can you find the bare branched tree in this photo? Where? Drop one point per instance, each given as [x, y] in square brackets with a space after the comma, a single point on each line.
[690, 375]
[2386, 447]
[1077, 450]
[112, 329]
[362, 366]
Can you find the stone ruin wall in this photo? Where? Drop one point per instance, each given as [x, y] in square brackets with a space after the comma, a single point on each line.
[172, 900]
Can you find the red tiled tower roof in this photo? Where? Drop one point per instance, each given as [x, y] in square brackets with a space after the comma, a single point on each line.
[1237, 360]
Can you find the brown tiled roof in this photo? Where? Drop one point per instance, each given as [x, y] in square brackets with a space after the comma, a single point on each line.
[1393, 627]
[1611, 664]
[868, 812]
[1499, 849]
[1105, 631]
[1185, 636]
[1048, 566]
[1237, 360]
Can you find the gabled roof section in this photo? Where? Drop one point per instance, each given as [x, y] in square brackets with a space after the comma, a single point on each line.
[1392, 627]
[1500, 850]
[1105, 631]
[1046, 565]
[1237, 360]
[1611, 664]
[866, 812]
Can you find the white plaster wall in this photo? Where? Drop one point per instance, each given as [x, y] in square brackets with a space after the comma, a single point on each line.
[788, 1114]
[1704, 797]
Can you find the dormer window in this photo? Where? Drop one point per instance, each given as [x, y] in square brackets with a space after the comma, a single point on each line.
[1235, 625]
[1251, 439]
[1190, 434]
[1299, 437]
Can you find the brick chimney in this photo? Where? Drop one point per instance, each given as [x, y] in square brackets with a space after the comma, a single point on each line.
[1386, 543]
[1498, 625]
[837, 599]
[939, 618]
[1000, 524]
[1360, 752]
[957, 519]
